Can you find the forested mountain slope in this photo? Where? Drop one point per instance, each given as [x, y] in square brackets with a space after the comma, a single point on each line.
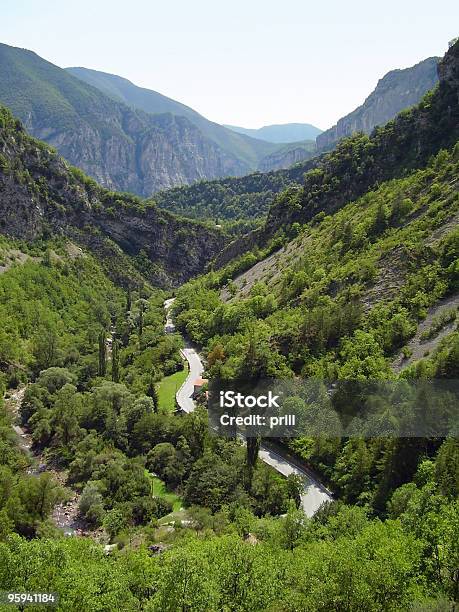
[107, 437]
[243, 199]
[339, 293]
[357, 280]
[41, 195]
[122, 148]
[338, 302]
[361, 162]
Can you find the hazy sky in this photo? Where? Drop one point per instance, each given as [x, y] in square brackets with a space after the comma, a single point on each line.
[244, 62]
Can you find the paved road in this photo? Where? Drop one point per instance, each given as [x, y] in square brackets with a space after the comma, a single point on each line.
[314, 494]
[184, 394]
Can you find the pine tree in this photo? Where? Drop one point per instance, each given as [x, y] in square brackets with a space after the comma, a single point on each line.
[128, 300]
[140, 323]
[102, 354]
[380, 221]
[153, 393]
[48, 259]
[115, 362]
[142, 308]
[253, 446]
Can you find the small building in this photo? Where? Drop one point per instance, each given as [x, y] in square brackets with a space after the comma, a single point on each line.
[198, 385]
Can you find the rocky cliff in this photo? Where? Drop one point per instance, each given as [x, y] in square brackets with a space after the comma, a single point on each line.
[403, 144]
[247, 148]
[397, 90]
[41, 196]
[288, 155]
[360, 163]
[122, 148]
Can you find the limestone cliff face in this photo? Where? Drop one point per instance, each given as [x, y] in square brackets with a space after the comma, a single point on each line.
[397, 90]
[448, 71]
[139, 153]
[286, 157]
[40, 195]
[358, 164]
[124, 149]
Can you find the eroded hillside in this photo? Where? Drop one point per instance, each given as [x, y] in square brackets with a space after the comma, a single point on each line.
[41, 195]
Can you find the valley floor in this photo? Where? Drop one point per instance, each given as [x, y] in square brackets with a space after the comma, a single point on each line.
[314, 494]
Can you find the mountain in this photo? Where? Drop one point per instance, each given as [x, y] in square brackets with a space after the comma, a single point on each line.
[122, 148]
[354, 272]
[288, 155]
[282, 133]
[248, 151]
[249, 197]
[239, 202]
[41, 195]
[340, 299]
[357, 263]
[397, 90]
[361, 162]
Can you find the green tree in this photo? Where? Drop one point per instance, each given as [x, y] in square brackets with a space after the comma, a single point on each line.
[114, 521]
[102, 354]
[91, 504]
[153, 393]
[293, 526]
[115, 361]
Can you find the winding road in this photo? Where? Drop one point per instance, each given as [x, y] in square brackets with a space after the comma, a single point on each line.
[314, 493]
[184, 394]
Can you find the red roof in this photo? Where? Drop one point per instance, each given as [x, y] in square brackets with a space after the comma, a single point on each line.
[199, 382]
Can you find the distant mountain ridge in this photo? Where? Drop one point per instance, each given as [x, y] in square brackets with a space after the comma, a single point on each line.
[124, 148]
[397, 90]
[133, 139]
[248, 151]
[280, 133]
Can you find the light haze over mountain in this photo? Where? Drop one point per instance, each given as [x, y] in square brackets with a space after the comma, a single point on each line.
[240, 63]
[280, 133]
[248, 150]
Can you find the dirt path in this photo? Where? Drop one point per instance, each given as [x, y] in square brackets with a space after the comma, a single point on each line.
[418, 347]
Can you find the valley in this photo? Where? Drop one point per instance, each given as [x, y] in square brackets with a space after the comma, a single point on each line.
[343, 270]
